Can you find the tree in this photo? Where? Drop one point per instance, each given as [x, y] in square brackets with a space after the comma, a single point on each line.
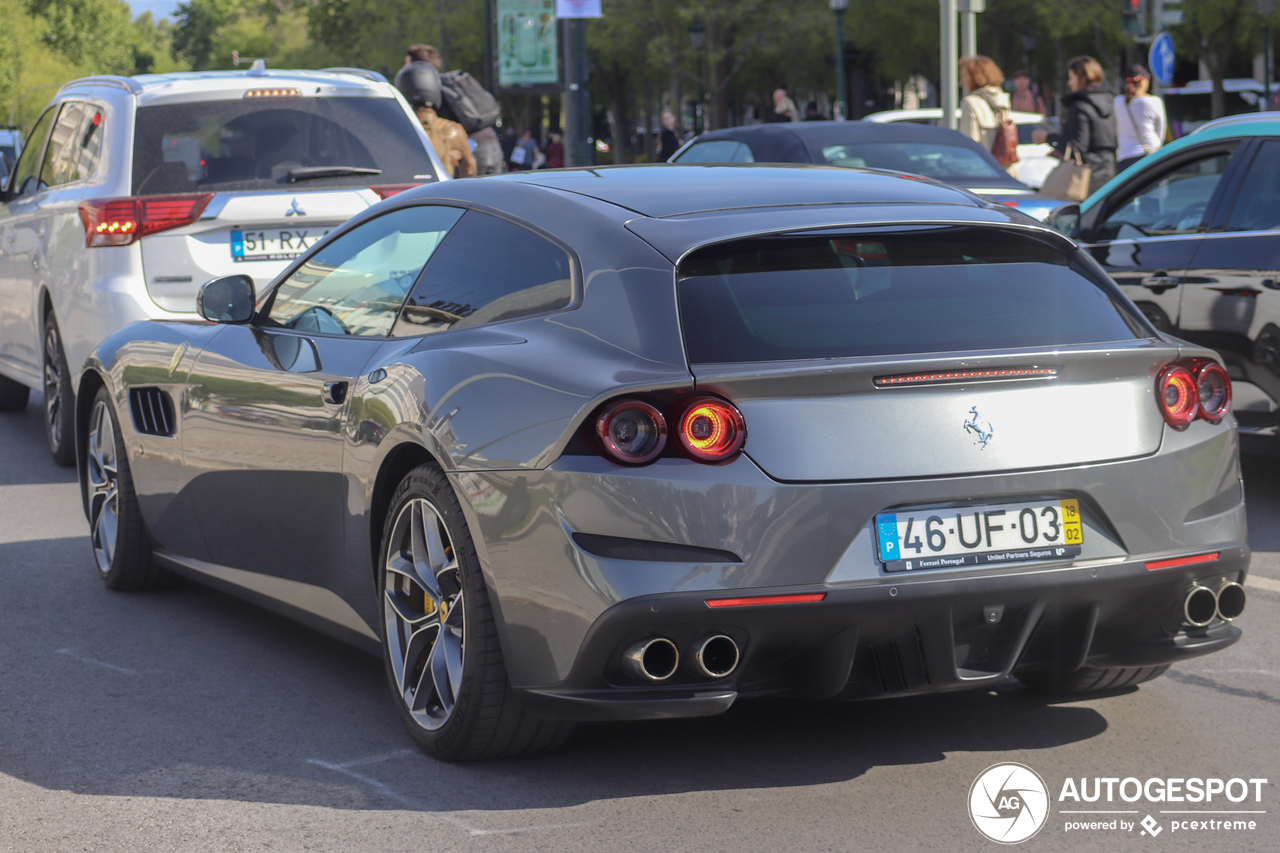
[94, 34]
[1218, 29]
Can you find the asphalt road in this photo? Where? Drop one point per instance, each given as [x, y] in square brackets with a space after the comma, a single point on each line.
[187, 721]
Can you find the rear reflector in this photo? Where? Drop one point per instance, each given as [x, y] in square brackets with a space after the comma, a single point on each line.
[1182, 561]
[964, 376]
[121, 221]
[766, 599]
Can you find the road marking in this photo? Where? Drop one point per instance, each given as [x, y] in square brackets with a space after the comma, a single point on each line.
[71, 653]
[1248, 671]
[452, 820]
[1269, 584]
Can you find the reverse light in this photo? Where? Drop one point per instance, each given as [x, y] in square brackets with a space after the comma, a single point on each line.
[632, 432]
[121, 221]
[1213, 386]
[712, 430]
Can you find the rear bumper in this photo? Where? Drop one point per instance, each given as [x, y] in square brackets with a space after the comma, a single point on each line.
[921, 635]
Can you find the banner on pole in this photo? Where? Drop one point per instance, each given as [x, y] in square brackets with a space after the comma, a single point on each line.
[578, 9]
[528, 52]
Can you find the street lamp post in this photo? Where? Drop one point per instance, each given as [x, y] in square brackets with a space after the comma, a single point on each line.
[842, 102]
[1266, 8]
[697, 38]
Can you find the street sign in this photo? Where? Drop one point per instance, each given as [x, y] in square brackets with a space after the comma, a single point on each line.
[1161, 59]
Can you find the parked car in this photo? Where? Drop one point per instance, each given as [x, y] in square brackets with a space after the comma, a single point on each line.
[1034, 162]
[10, 143]
[133, 191]
[1191, 106]
[934, 152]
[637, 442]
[1192, 234]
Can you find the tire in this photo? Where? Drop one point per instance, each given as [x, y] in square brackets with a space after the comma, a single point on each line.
[13, 395]
[59, 402]
[119, 540]
[1090, 679]
[439, 636]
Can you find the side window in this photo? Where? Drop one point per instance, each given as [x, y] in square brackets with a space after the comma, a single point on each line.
[356, 284]
[488, 269]
[717, 151]
[1174, 204]
[26, 177]
[1257, 208]
[75, 143]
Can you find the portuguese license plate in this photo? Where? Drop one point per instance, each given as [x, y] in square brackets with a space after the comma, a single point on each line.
[280, 244]
[938, 538]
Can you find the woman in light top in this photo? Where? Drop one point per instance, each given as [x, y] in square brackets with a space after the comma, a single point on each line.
[1140, 119]
[984, 105]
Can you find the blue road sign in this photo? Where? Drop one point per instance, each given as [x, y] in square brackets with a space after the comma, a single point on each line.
[1161, 59]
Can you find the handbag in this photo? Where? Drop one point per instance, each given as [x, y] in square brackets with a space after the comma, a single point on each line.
[1069, 179]
[1005, 146]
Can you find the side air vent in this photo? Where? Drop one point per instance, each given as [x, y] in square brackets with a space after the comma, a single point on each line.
[152, 411]
[619, 548]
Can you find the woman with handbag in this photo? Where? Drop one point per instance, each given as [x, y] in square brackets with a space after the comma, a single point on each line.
[985, 112]
[1087, 144]
[1140, 119]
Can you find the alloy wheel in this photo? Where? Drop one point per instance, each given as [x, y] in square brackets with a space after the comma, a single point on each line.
[423, 609]
[53, 379]
[104, 486]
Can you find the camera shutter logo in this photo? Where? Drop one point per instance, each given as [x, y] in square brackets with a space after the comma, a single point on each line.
[1008, 802]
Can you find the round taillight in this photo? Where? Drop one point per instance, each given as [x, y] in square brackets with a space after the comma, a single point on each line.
[1176, 391]
[632, 432]
[1213, 386]
[712, 430]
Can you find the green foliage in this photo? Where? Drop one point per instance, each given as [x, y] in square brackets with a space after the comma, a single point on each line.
[95, 34]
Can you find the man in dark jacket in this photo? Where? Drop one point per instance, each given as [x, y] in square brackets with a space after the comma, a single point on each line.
[1090, 126]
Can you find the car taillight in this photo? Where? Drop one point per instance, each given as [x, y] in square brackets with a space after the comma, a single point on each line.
[392, 189]
[632, 432]
[121, 221]
[1193, 388]
[712, 430]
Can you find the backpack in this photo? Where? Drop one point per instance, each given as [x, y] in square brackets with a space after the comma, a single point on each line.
[466, 102]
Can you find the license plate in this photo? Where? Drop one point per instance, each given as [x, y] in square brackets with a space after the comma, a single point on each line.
[282, 244]
[936, 538]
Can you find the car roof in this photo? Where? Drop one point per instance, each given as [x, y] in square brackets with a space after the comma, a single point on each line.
[1238, 130]
[1241, 118]
[212, 85]
[890, 116]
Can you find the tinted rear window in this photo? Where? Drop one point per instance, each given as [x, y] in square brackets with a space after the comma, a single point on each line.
[879, 292]
[254, 144]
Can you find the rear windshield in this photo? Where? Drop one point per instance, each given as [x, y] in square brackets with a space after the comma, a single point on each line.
[950, 163]
[880, 292]
[258, 144]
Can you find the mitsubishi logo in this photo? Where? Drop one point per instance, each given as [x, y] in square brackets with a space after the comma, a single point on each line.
[980, 427]
[294, 210]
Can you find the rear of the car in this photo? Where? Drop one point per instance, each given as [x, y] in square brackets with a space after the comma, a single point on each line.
[915, 457]
[242, 172]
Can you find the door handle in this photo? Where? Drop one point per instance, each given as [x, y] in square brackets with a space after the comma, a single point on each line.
[335, 393]
[1160, 283]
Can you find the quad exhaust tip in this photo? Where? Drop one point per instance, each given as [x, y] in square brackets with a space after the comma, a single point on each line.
[715, 656]
[1200, 606]
[654, 659]
[1231, 600]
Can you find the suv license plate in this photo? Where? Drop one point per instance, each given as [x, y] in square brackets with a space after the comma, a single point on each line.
[937, 538]
[283, 244]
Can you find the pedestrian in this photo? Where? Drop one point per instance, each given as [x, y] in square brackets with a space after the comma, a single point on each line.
[784, 109]
[525, 152]
[811, 112]
[1025, 98]
[986, 105]
[1140, 119]
[669, 140]
[1090, 126]
[555, 152]
[419, 82]
[508, 145]
[488, 152]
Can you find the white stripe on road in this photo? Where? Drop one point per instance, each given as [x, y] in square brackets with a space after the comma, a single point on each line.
[1269, 584]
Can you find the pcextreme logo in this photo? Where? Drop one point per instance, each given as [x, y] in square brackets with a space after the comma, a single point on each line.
[1008, 802]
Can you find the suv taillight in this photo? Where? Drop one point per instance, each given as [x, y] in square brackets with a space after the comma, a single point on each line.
[391, 189]
[1193, 388]
[121, 221]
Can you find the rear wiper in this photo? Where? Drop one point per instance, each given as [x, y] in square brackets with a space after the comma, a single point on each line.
[311, 172]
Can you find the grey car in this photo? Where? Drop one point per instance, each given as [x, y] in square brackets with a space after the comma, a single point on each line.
[637, 442]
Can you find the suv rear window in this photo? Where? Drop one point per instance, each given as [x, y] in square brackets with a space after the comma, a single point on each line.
[925, 289]
[256, 144]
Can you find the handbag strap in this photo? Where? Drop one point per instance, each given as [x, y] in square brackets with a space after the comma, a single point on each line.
[1128, 107]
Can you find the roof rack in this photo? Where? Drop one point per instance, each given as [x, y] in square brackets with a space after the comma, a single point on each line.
[118, 82]
[358, 72]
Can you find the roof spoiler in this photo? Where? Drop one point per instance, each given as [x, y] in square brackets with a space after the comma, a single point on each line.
[127, 83]
[358, 72]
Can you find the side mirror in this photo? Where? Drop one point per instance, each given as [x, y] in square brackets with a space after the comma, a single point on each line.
[1066, 219]
[228, 299]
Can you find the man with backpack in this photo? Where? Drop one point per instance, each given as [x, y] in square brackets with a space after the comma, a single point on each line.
[419, 82]
[465, 101]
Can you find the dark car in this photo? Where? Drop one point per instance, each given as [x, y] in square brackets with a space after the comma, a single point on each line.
[935, 152]
[1192, 235]
[636, 442]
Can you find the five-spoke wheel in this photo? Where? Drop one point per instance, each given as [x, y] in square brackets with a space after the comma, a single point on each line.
[103, 481]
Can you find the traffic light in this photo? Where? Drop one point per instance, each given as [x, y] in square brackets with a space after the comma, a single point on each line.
[1134, 14]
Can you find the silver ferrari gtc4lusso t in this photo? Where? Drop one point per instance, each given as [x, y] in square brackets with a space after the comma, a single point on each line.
[635, 442]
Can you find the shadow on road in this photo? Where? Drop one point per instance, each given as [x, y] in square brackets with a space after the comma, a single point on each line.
[1262, 498]
[25, 428]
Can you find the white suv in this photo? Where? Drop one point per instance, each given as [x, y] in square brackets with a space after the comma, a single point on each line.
[131, 192]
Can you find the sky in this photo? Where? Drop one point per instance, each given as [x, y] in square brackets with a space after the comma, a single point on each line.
[158, 8]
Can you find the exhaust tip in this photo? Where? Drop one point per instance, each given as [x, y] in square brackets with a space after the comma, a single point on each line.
[654, 659]
[1200, 606]
[715, 656]
[1231, 600]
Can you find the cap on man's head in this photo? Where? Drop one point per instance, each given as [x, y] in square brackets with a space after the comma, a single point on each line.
[1136, 73]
